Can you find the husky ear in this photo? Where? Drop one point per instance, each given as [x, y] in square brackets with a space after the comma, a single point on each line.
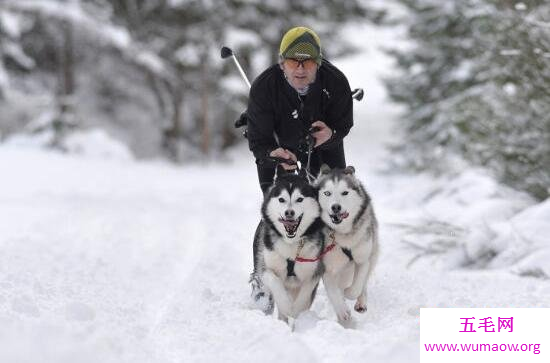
[349, 170]
[325, 169]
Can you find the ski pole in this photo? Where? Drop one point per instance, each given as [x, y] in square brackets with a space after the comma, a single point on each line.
[226, 53]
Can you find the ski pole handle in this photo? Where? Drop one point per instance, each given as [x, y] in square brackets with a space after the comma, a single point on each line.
[357, 94]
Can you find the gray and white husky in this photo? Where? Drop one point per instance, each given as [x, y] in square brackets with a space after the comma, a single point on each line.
[287, 246]
[347, 210]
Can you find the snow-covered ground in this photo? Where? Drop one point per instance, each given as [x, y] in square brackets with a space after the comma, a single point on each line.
[124, 261]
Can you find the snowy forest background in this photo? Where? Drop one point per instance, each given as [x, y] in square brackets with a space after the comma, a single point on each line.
[149, 72]
[474, 78]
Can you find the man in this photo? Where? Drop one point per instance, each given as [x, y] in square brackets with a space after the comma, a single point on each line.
[289, 98]
[286, 101]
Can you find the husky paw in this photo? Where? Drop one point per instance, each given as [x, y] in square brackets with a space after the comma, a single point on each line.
[265, 303]
[352, 293]
[360, 307]
[262, 300]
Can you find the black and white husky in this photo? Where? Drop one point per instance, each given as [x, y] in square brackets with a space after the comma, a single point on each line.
[287, 246]
[347, 211]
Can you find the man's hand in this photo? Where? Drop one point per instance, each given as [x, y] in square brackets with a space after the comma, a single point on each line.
[324, 133]
[285, 154]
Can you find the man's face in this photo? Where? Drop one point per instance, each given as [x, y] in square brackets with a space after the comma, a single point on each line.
[300, 73]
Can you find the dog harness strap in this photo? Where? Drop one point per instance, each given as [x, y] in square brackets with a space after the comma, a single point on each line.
[347, 252]
[326, 250]
[290, 267]
[300, 246]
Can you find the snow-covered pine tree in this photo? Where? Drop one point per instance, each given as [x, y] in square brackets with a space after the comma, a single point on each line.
[475, 82]
[183, 33]
[59, 37]
[434, 71]
[515, 74]
[270, 19]
[12, 56]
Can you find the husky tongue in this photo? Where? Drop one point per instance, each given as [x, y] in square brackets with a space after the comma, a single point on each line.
[339, 217]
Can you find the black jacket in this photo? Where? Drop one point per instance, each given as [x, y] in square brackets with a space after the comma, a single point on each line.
[277, 112]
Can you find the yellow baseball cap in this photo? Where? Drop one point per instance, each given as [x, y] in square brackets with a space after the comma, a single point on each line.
[301, 43]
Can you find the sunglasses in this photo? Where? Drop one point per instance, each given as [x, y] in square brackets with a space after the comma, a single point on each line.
[293, 63]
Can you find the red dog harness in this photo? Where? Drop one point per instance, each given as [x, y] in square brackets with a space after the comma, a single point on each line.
[325, 251]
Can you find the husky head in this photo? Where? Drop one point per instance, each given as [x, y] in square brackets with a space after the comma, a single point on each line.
[342, 198]
[290, 206]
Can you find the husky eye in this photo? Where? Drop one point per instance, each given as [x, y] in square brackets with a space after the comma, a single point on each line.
[327, 193]
[281, 200]
[300, 200]
[345, 193]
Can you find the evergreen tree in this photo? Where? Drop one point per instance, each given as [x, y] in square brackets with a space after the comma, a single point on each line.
[516, 95]
[269, 20]
[475, 83]
[13, 58]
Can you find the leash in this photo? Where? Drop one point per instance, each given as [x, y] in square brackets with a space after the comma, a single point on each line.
[310, 143]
